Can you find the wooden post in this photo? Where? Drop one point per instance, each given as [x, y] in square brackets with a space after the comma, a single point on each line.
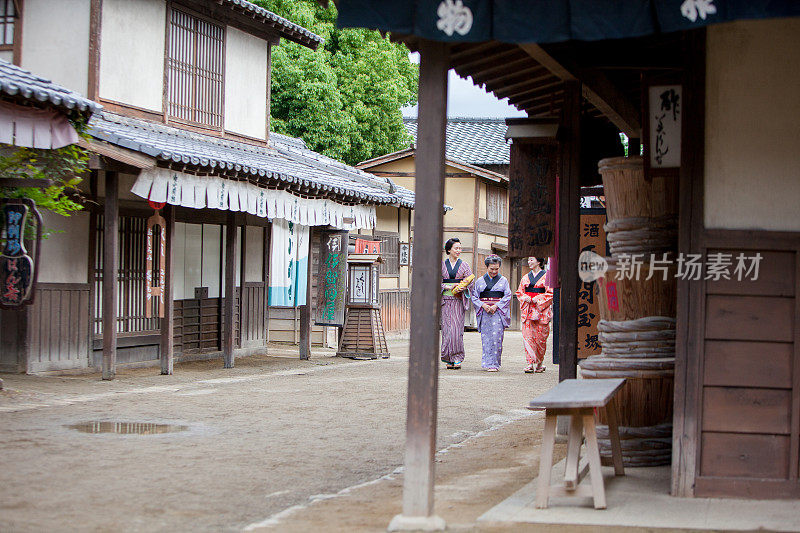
[423, 367]
[168, 321]
[230, 290]
[305, 310]
[110, 267]
[569, 227]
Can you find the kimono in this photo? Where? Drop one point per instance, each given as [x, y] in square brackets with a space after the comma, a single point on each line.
[497, 291]
[536, 312]
[453, 309]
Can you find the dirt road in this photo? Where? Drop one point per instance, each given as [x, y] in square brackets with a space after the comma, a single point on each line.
[271, 435]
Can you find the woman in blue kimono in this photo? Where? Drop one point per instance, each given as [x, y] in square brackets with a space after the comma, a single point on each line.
[491, 296]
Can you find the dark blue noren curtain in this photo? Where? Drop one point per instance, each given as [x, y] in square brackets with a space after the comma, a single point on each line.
[545, 21]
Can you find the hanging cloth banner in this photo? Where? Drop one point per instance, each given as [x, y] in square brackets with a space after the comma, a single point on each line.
[199, 192]
[288, 264]
[150, 290]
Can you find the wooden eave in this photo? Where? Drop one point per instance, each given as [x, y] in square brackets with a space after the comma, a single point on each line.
[477, 171]
[532, 76]
[246, 21]
[387, 158]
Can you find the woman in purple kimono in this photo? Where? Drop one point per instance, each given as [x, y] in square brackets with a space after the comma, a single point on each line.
[491, 296]
[454, 304]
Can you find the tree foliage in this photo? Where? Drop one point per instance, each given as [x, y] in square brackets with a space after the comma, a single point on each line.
[343, 99]
[62, 166]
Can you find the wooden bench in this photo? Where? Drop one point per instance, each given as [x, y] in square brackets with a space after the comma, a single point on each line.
[577, 399]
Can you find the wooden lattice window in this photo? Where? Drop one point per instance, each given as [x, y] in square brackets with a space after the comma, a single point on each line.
[496, 204]
[7, 21]
[130, 277]
[390, 252]
[195, 70]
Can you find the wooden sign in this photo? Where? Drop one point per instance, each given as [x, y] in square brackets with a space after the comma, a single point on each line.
[593, 239]
[18, 270]
[405, 254]
[532, 199]
[332, 279]
[662, 129]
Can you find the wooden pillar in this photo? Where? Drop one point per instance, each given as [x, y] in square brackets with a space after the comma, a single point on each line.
[423, 367]
[230, 291]
[110, 268]
[168, 321]
[305, 310]
[569, 227]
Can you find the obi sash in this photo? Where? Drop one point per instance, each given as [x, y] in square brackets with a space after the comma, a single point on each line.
[531, 288]
[488, 293]
[451, 272]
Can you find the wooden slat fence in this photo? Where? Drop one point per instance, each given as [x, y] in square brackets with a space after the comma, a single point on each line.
[395, 309]
[59, 327]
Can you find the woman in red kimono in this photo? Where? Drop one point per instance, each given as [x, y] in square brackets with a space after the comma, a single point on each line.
[535, 301]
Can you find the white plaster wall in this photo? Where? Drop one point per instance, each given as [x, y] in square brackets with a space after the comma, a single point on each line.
[65, 255]
[245, 84]
[55, 41]
[752, 161]
[7, 55]
[132, 52]
[254, 258]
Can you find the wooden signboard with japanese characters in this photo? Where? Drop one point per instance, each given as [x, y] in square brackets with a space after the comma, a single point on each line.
[532, 199]
[332, 280]
[662, 128]
[592, 239]
[18, 270]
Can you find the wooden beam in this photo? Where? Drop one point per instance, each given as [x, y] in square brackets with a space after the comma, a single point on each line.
[117, 153]
[596, 88]
[95, 22]
[110, 262]
[230, 290]
[305, 309]
[168, 320]
[689, 330]
[423, 368]
[568, 228]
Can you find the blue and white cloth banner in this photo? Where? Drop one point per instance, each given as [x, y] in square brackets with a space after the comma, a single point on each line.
[198, 192]
[288, 264]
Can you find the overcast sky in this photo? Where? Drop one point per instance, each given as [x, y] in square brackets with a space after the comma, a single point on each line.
[467, 100]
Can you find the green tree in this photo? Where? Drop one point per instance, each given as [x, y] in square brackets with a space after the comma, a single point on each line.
[62, 166]
[343, 99]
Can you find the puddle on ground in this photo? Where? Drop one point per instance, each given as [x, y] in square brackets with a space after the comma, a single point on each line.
[127, 428]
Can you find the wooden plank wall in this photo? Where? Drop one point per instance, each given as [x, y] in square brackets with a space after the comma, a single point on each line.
[253, 325]
[395, 309]
[749, 405]
[59, 327]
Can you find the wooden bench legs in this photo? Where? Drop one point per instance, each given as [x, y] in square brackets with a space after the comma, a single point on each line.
[581, 423]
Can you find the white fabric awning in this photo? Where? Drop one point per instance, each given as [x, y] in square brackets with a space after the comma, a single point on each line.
[35, 128]
[199, 192]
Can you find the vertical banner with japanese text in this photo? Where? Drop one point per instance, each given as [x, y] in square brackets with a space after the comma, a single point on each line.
[532, 199]
[332, 281]
[592, 239]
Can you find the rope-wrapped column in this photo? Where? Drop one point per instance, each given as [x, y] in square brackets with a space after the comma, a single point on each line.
[643, 352]
[637, 310]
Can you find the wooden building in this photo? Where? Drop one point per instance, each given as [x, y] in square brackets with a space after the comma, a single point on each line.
[185, 125]
[737, 370]
[476, 190]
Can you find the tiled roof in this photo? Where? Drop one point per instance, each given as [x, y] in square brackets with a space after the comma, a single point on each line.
[478, 141]
[286, 160]
[22, 84]
[287, 29]
[297, 149]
